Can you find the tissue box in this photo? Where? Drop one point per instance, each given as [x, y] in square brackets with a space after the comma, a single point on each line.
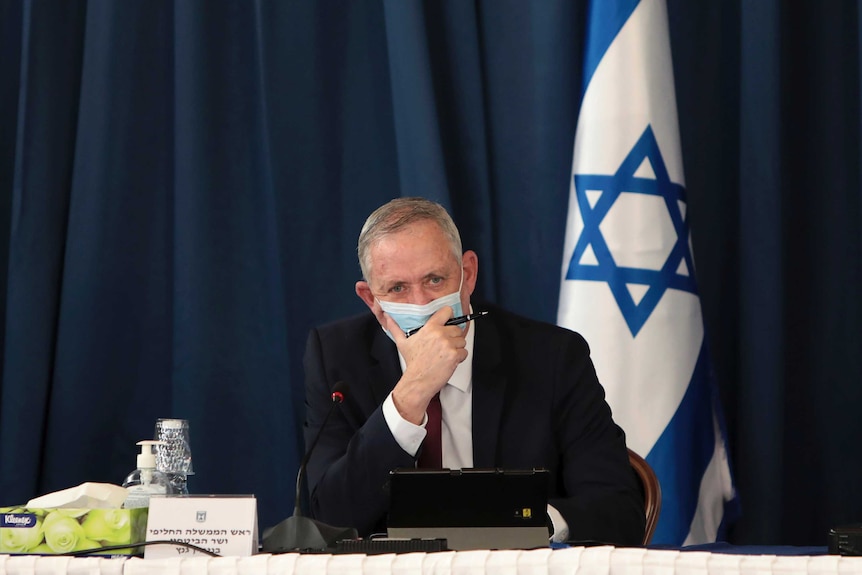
[49, 531]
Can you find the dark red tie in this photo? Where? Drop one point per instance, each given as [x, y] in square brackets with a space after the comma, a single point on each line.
[432, 447]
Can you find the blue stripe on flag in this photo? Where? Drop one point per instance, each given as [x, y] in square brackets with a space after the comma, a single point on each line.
[682, 454]
[603, 24]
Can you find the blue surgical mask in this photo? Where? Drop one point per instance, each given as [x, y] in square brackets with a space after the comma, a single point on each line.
[410, 316]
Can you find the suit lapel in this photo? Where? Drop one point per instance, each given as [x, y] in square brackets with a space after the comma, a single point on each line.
[386, 372]
[489, 386]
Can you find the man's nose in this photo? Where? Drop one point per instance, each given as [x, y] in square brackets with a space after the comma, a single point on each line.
[421, 296]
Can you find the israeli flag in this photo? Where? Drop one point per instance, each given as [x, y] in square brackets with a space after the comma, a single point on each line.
[628, 281]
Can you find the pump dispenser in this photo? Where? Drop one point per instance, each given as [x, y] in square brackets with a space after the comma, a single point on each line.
[145, 480]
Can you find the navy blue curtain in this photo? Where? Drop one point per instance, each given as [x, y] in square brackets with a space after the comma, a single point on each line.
[182, 185]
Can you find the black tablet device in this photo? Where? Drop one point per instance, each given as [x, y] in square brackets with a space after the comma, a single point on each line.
[471, 508]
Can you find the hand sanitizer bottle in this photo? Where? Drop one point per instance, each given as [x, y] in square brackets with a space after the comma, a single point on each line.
[145, 480]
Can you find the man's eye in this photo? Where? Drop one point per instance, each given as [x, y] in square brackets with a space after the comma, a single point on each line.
[435, 281]
[396, 289]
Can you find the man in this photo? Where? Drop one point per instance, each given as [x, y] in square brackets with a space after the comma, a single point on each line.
[515, 393]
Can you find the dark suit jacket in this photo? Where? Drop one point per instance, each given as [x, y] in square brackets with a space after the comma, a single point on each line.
[536, 403]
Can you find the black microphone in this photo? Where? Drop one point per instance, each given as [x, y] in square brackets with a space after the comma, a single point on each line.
[297, 533]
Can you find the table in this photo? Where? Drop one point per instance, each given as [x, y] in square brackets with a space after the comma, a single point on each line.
[569, 561]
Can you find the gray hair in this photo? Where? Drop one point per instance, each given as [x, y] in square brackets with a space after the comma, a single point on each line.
[396, 215]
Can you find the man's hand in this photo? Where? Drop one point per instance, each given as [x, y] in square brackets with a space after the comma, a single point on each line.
[431, 356]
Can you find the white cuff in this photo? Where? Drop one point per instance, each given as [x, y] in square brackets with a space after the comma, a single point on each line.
[561, 528]
[407, 435]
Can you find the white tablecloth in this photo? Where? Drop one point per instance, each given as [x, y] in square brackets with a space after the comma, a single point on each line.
[572, 561]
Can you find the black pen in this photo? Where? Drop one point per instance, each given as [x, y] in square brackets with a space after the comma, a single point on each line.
[454, 321]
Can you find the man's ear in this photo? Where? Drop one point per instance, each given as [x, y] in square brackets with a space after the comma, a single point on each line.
[470, 263]
[363, 290]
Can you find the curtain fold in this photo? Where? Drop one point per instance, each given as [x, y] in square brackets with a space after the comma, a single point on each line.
[45, 84]
[761, 261]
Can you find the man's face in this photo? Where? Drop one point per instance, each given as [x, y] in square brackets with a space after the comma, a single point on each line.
[415, 265]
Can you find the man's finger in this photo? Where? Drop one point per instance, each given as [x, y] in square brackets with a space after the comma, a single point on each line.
[394, 329]
[442, 315]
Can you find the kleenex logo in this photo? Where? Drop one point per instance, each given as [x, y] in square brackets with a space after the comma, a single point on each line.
[17, 520]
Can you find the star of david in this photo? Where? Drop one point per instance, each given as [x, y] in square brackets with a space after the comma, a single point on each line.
[677, 272]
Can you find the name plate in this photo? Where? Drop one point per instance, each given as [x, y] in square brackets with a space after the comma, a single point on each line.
[221, 524]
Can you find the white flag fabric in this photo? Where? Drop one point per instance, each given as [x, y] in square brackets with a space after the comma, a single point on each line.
[628, 281]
